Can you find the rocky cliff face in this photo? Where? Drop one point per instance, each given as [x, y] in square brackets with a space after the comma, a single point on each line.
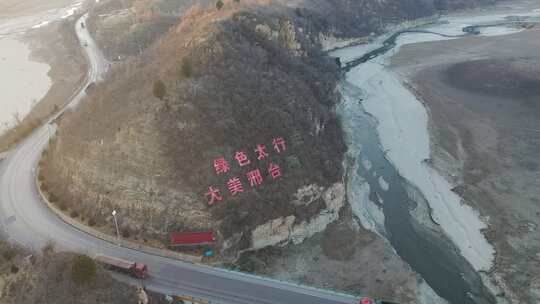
[284, 230]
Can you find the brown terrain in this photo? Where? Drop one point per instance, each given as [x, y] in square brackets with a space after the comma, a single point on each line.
[483, 97]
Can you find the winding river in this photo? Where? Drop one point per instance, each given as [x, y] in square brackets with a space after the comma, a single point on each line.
[424, 247]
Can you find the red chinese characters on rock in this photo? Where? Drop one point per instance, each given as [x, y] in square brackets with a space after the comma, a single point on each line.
[214, 196]
[235, 186]
[242, 158]
[261, 152]
[279, 144]
[254, 176]
[275, 171]
[221, 165]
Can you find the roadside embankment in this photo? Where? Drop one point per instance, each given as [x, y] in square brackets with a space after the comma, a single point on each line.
[72, 220]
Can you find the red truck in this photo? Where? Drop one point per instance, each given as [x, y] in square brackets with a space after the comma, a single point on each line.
[137, 270]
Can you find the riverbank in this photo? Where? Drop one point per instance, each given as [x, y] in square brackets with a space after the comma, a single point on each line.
[43, 67]
[404, 132]
[483, 121]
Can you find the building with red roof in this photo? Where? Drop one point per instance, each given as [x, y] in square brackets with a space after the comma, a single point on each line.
[192, 238]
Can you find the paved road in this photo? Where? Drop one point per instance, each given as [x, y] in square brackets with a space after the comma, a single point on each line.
[25, 219]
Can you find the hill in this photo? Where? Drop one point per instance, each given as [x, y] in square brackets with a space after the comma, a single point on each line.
[229, 85]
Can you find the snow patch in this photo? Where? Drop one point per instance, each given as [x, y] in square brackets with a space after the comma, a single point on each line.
[71, 10]
[384, 185]
[370, 215]
[366, 163]
[41, 24]
[499, 30]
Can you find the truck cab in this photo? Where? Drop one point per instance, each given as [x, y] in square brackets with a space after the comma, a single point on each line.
[140, 271]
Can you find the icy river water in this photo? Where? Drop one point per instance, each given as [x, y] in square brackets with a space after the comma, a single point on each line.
[391, 189]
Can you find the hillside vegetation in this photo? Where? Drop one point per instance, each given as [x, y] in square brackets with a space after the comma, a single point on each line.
[234, 79]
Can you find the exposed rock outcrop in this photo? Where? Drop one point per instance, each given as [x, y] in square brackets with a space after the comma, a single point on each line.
[284, 230]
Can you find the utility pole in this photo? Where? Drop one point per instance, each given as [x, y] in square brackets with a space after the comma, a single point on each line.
[116, 225]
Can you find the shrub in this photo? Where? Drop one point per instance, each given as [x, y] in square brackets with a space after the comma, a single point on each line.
[126, 233]
[91, 222]
[83, 269]
[159, 89]
[53, 198]
[14, 269]
[63, 207]
[74, 214]
[9, 253]
[219, 4]
[186, 68]
[44, 187]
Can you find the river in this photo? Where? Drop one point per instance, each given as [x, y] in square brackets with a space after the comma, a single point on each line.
[391, 189]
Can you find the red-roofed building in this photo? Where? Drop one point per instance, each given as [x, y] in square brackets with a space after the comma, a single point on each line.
[192, 238]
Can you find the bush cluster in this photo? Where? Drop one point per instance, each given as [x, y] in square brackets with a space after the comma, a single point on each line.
[83, 269]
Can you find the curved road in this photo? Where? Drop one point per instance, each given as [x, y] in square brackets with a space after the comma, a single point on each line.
[25, 219]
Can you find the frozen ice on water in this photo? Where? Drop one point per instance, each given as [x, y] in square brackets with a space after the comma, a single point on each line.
[384, 185]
